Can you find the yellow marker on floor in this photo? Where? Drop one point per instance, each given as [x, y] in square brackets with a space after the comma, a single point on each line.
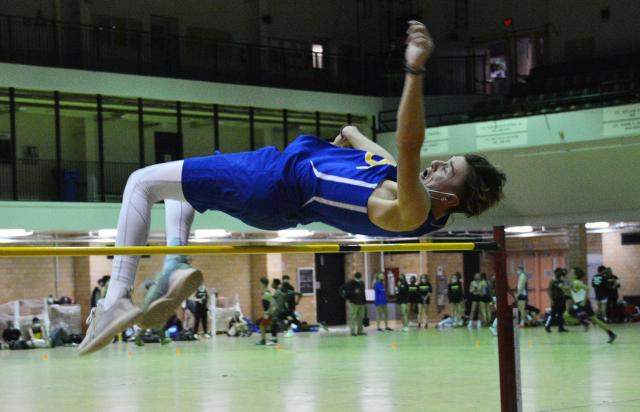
[530, 344]
[477, 344]
[394, 345]
[278, 347]
[130, 354]
[178, 351]
[45, 356]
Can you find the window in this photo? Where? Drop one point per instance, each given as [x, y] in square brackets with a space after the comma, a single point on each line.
[317, 51]
[5, 148]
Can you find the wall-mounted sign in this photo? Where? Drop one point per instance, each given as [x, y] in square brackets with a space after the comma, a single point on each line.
[501, 134]
[621, 120]
[436, 141]
[307, 281]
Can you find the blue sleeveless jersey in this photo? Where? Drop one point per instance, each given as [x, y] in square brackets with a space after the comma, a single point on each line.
[310, 181]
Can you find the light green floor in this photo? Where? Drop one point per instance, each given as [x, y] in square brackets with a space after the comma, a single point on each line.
[427, 370]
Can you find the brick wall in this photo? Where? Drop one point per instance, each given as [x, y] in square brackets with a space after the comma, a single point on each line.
[577, 254]
[35, 278]
[594, 243]
[537, 243]
[624, 261]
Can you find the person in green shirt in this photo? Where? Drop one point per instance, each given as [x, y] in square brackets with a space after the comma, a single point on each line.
[581, 309]
[354, 293]
[425, 290]
[455, 293]
[476, 292]
[269, 308]
[402, 300]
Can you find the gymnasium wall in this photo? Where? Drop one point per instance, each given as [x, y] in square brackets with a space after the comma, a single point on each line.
[231, 275]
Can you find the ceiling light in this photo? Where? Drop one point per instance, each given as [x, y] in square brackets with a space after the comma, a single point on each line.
[294, 233]
[281, 239]
[107, 233]
[519, 229]
[104, 240]
[200, 240]
[15, 233]
[597, 225]
[203, 233]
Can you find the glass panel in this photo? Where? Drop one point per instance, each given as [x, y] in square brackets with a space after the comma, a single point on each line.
[197, 130]
[79, 148]
[299, 123]
[330, 124]
[162, 142]
[35, 145]
[268, 128]
[6, 188]
[364, 124]
[121, 144]
[234, 129]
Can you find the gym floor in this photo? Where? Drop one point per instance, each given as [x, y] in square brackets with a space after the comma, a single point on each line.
[453, 370]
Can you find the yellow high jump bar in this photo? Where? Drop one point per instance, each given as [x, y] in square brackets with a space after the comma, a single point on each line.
[244, 250]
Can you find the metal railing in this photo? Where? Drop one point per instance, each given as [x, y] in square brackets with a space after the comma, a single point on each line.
[70, 45]
[75, 181]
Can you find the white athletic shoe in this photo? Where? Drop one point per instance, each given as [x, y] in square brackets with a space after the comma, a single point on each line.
[493, 330]
[164, 297]
[104, 324]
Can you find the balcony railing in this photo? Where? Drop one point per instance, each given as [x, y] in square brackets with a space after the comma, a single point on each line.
[74, 181]
[60, 44]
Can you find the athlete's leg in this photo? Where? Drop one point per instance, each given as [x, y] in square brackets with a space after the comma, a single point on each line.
[178, 220]
[144, 188]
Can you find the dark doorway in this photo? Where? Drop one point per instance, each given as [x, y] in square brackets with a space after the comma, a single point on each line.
[330, 276]
[168, 146]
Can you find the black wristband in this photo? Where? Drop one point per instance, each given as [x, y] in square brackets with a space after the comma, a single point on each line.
[411, 70]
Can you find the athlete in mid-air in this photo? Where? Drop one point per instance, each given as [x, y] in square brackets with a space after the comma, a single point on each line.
[352, 184]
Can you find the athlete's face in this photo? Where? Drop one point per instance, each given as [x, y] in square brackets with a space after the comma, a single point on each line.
[446, 177]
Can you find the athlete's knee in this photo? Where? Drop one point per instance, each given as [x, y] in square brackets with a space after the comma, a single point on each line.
[141, 181]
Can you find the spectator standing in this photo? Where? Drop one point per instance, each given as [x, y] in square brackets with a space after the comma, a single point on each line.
[612, 294]
[402, 300]
[414, 297]
[425, 290]
[523, 294]
[96, 295]
[456, 298]
[442, 290]
[354, 292]
[600, 287]
[202, 310]
[476, 293]
[380, 302]
[269, 308]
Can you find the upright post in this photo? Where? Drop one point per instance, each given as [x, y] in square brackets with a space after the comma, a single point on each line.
[509, 383]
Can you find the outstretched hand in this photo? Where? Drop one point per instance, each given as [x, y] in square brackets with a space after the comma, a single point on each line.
[419, 45]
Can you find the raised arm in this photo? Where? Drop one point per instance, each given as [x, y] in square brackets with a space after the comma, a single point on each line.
[413, 200]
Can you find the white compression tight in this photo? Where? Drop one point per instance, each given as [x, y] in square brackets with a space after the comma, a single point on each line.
[144, 188]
